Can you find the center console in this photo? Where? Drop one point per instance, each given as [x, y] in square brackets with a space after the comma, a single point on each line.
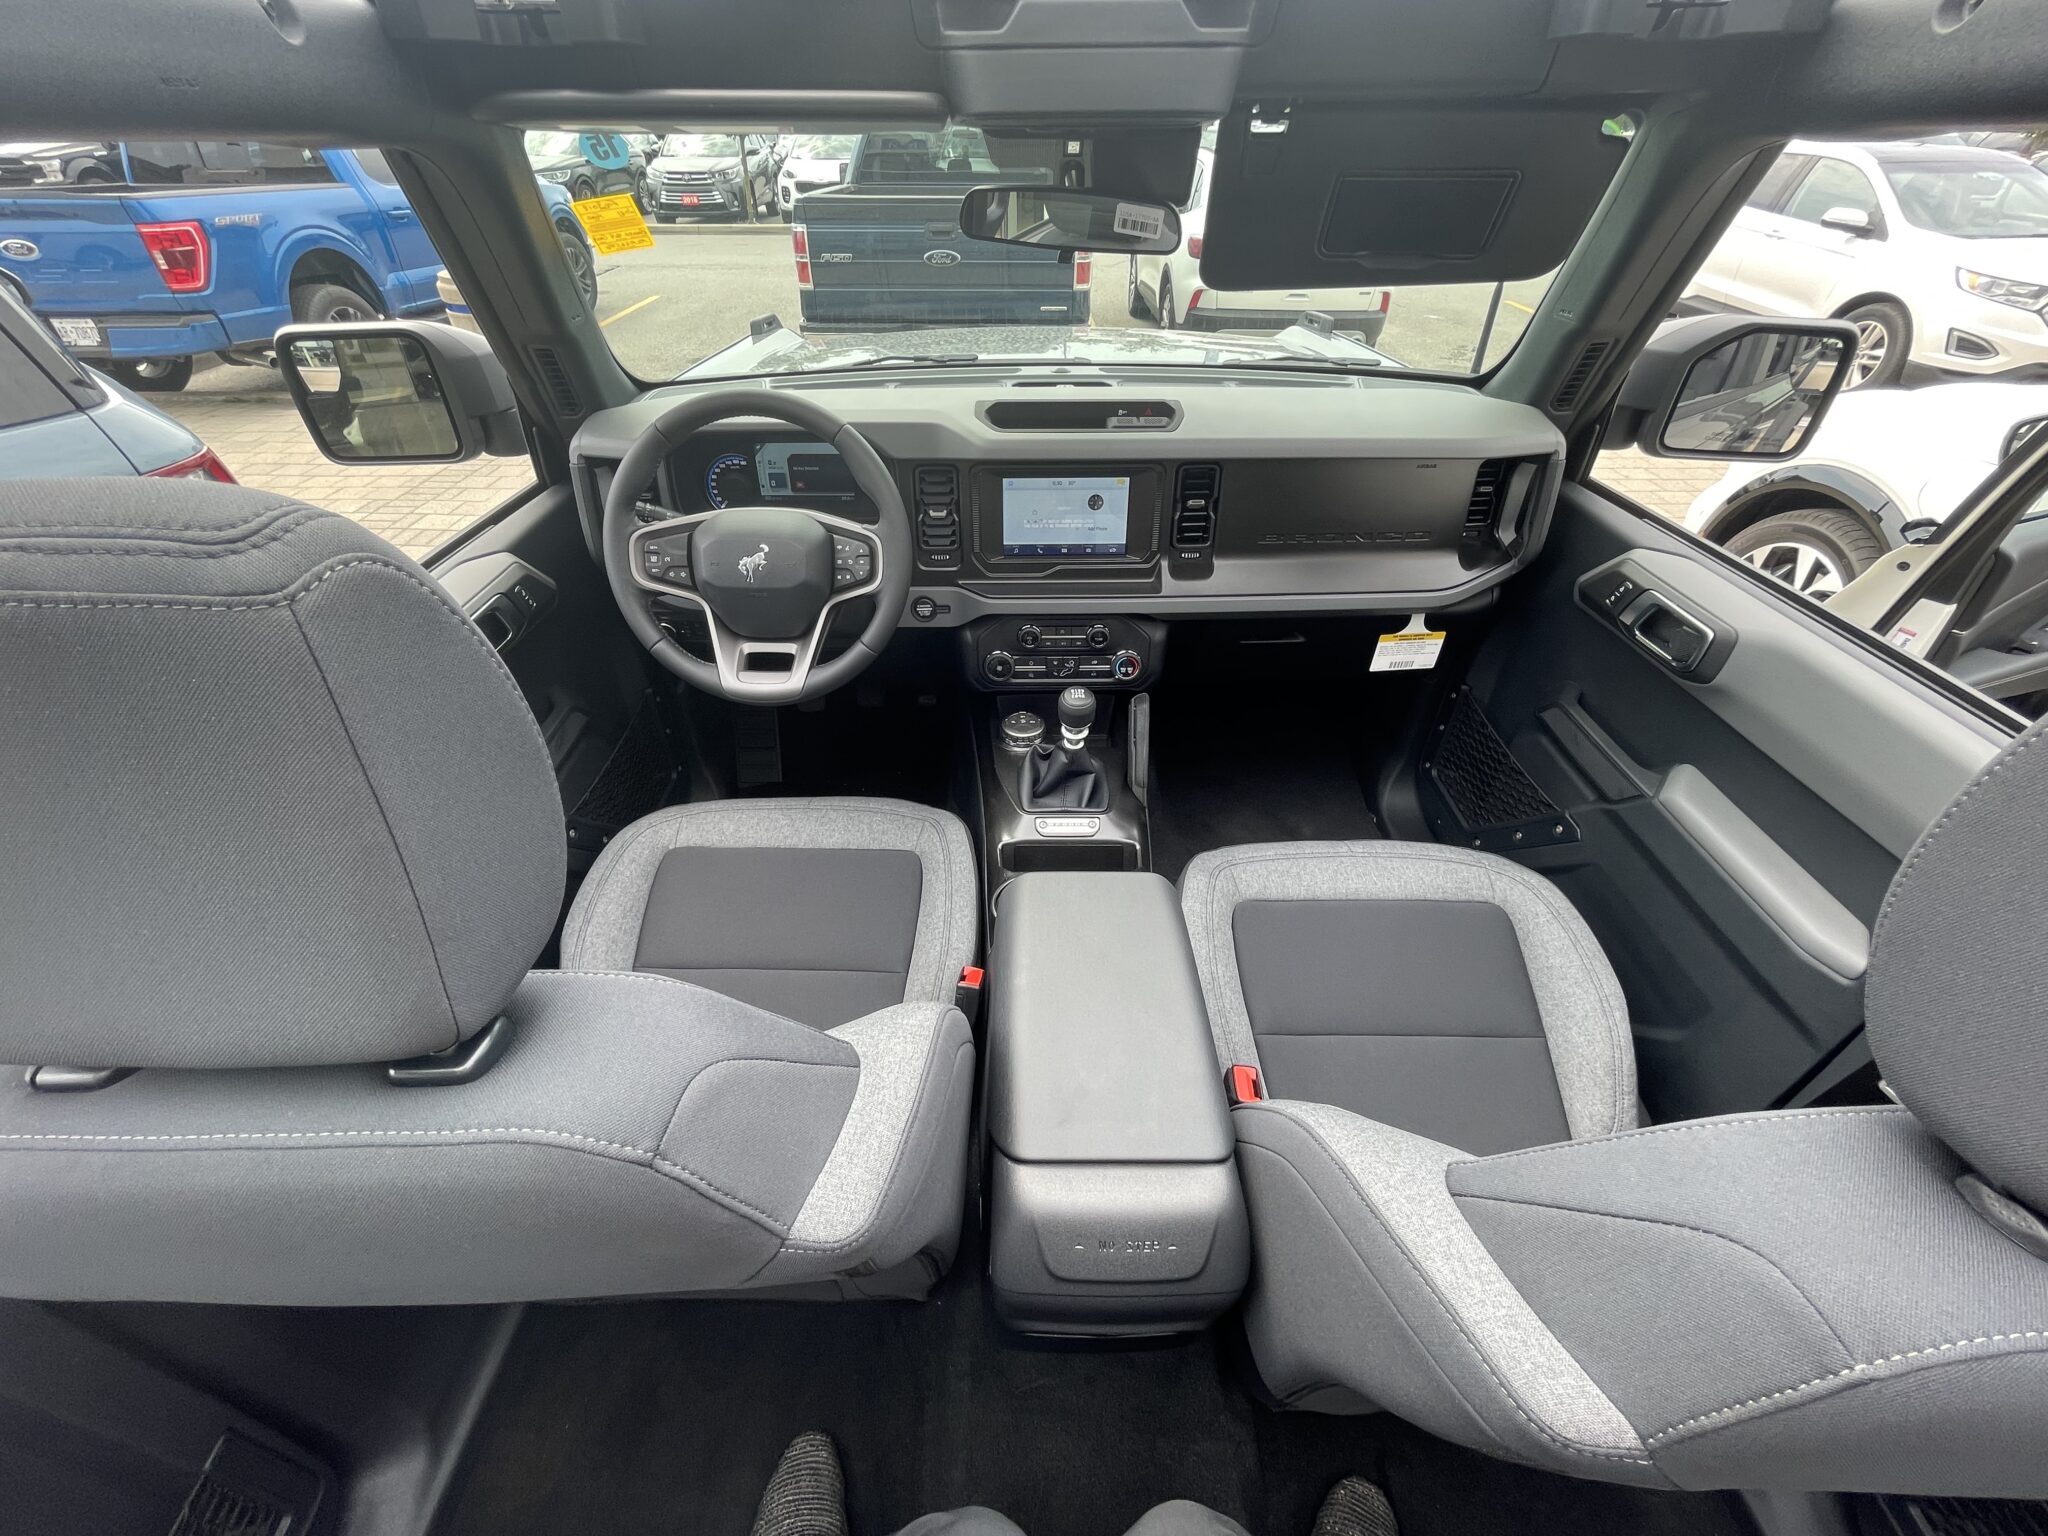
[1114, 1202]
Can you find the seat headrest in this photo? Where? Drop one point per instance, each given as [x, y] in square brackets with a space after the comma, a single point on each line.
[267, 797]
[1955, 1001]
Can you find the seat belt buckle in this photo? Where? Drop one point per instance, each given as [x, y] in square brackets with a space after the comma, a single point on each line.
[1242, 1085]
[967, 994]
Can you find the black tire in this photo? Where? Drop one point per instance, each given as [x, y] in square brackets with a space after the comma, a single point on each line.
[1134, 298]
[152, 375]
[1816, 551]
[1887, 328]
[643, 193]
[331, 304]
[582, 262]
[1164, 313]
[579, 190]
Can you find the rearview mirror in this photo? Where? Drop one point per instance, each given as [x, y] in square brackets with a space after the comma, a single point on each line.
[1068, 220]
[399, 392]
[1732, 388]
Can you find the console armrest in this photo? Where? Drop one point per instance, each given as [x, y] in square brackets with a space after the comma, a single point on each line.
[1115, 1205]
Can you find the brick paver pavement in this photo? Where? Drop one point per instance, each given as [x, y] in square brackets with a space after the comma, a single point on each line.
[245, 415]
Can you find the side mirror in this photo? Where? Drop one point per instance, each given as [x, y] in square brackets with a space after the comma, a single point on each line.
[399, 392]
[1732, 388]
[1068, 220]
[1850, 221]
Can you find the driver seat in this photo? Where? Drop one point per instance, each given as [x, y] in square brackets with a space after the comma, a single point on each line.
[274, 817]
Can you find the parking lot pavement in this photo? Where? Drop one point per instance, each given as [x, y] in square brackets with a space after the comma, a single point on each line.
[696, 292]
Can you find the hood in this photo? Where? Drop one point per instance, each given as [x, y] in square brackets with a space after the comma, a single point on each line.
[806, 169]
[2023, 257]
[785, 351]
[545, 163]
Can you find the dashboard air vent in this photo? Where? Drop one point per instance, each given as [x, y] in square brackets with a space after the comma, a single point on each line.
[937, 488]
[1484, 506]
[561, 388]
[1196, 489]
[1574, 383]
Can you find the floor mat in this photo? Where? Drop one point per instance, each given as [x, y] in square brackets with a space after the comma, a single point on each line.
[1282, 768]
[633, 1419]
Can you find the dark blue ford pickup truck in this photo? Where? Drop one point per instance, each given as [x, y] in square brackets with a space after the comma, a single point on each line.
[884, 250]
[210, 247]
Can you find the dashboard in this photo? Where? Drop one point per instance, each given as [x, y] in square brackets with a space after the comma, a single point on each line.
[1074, 491]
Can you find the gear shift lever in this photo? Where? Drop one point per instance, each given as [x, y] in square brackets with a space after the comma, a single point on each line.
[1077, 717]
[1066, 777]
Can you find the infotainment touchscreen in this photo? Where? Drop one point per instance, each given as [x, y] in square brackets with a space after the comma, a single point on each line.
[1066, 515]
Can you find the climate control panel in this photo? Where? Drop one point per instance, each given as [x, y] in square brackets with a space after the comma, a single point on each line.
[1056, 652]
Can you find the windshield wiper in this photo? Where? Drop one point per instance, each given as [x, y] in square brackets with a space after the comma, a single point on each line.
[895, 360]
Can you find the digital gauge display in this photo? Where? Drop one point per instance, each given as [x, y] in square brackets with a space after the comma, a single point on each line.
[808, 472]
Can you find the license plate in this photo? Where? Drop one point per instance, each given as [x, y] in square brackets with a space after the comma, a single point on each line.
[77, 333]
[688, 199]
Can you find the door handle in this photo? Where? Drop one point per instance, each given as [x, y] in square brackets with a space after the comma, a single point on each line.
[1677, 637]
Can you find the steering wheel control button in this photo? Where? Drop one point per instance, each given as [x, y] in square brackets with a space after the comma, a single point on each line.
[1022, 730]
[1126, 665]
[853, 561]
[1067, 826]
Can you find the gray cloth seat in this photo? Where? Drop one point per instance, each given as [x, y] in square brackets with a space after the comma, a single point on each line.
[1797, 1300]
[819, 910]
[277, 816]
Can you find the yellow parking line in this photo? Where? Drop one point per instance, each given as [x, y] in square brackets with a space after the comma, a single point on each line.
[1511, 304]
[629, 309]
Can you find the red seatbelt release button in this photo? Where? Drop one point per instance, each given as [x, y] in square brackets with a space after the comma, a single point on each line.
[967, 995]
[1243, 1086]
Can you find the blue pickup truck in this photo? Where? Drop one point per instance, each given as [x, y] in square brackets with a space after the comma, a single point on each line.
[210, 247]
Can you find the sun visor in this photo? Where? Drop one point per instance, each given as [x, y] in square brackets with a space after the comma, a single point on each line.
[1322, 197]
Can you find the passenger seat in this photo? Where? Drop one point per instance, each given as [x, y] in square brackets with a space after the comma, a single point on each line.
[1454, 1218]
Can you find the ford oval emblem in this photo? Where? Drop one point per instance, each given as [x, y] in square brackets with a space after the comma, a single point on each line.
[28, 250]
[942, 258]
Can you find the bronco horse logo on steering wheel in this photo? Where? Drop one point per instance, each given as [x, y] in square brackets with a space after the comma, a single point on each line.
[752, 565]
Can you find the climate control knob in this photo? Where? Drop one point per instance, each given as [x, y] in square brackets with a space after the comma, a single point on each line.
[1126, 665]
[1098, 637]
[998, 666]
[1028, 637]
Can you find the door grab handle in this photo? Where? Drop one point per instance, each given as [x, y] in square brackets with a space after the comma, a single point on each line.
[1794, 903]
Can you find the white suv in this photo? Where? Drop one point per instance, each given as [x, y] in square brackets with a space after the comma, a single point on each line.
[1937, 252]
[1168, 289]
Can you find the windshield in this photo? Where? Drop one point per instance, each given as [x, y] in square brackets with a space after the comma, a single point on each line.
[551, 146]
[1970, 198]
[794, 252]
[710, 145]
[823, 146]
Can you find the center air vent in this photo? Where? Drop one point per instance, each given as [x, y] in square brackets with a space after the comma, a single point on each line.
[938, 516]
[1082, 415]
[1196, 488]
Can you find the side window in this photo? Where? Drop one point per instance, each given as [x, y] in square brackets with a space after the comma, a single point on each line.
[1197, 190]
[1833, 184]
[1770, 192]
[375, 166]
[163, 162]
[26, 393]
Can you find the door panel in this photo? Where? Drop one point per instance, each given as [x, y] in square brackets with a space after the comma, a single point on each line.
[1730, 839]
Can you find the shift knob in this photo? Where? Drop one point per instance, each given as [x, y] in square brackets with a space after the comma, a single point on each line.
[1077, 715]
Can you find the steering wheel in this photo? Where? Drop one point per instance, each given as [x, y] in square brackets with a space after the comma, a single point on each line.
[768, 578]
